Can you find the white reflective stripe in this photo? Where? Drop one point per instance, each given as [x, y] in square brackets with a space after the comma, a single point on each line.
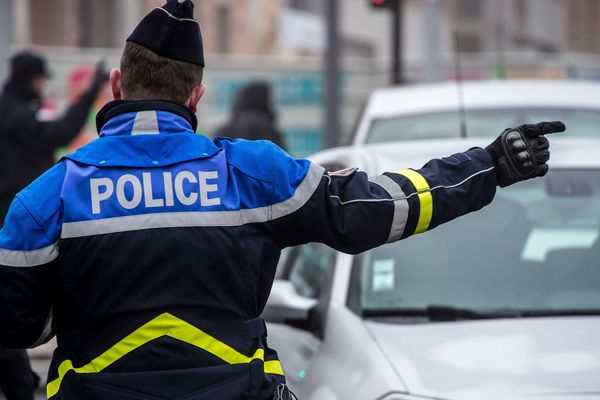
[400, 206]
[163, 220]
[32, 258]
[468, 178]
[174, 17]
[197, 218]
[302, 194]
[146, 123]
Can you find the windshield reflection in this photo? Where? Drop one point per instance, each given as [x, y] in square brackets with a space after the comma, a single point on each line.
[536, 248]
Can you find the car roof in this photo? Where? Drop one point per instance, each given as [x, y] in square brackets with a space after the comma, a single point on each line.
[566, 153]
[484, 94]
[443, 97]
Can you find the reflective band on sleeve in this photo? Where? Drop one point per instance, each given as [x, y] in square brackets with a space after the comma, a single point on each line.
[425, 198]
[400, 206]
[164, 325]
[32, 258]
[273, 367]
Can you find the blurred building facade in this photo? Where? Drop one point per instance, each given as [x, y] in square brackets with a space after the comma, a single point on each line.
[240, 26]
[283, 41]
[296, 27]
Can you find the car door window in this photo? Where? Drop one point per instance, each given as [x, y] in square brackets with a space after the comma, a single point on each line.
[308, 268]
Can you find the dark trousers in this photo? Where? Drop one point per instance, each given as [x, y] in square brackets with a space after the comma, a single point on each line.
[16, 378]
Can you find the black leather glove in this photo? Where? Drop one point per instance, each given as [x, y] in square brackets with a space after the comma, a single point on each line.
[101, 76]
[523, 152]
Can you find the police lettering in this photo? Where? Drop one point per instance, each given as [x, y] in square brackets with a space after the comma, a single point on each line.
[174, 189]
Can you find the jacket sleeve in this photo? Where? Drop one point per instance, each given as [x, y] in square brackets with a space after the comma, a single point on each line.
[352, 213]
[29, 265]
[60, 132]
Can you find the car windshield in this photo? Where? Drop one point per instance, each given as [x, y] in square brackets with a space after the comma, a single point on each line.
[479, 123]
[536, 247]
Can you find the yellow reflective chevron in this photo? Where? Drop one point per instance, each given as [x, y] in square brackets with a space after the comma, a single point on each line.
[273, 367]
[425, 198]
[164, 325]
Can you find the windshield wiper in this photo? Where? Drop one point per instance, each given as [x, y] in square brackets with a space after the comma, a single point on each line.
[575, 312]
[438, 313]
[449, 313]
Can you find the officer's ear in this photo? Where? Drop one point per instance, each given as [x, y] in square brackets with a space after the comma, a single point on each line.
[194, 99]
[115, 83]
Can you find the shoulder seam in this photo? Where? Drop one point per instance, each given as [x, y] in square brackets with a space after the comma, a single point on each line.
[245, 171]
[31, 210]
[33, 215]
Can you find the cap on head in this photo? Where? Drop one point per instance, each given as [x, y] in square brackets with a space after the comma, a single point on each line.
[28, 64]
[172, 32]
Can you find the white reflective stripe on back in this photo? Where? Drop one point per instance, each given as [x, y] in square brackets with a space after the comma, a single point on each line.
[146, 123]
[400, 206]
[198, 218]
[32, 258]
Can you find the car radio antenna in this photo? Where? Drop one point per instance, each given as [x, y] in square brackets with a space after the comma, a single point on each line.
[462, 111]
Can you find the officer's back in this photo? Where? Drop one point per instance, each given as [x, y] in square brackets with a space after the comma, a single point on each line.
[159, 283]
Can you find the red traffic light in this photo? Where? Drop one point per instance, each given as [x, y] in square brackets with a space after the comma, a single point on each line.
[383, 3]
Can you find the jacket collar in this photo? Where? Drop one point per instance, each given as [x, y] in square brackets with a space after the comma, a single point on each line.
[149, 117]
[145, 134]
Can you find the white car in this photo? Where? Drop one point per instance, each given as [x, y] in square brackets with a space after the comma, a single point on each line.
[477, 109]
[503, 303]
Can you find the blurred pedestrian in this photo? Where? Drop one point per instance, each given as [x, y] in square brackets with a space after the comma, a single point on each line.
[253, 115]
[27, 142]
[27, 148]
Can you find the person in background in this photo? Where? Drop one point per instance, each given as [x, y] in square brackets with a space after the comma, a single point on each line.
[28, 142]
[27, 147]
[253, 115]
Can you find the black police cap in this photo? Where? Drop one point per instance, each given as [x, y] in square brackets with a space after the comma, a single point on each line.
[171, 32]
[27, 63]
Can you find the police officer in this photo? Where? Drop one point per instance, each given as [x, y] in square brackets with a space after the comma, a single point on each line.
[150, 252]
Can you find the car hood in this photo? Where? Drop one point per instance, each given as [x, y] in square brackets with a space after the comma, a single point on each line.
[495, 359]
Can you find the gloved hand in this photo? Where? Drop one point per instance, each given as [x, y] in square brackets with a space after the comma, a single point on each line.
[101, 76]
[522, 153]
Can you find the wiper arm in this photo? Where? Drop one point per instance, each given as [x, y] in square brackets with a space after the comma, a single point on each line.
[449, 313]
[441, 313]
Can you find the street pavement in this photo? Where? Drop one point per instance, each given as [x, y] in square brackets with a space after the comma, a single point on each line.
[40, 361]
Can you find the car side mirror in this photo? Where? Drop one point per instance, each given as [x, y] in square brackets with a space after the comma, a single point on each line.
[285, 305]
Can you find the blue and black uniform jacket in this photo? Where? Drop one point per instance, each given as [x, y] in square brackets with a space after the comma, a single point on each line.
[150, 252]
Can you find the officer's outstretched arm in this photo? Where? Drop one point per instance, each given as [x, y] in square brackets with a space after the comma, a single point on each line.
[29, 264]
[352, 213]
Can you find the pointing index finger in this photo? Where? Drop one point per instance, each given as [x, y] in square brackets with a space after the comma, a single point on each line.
[552, 127]
[543, 128]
